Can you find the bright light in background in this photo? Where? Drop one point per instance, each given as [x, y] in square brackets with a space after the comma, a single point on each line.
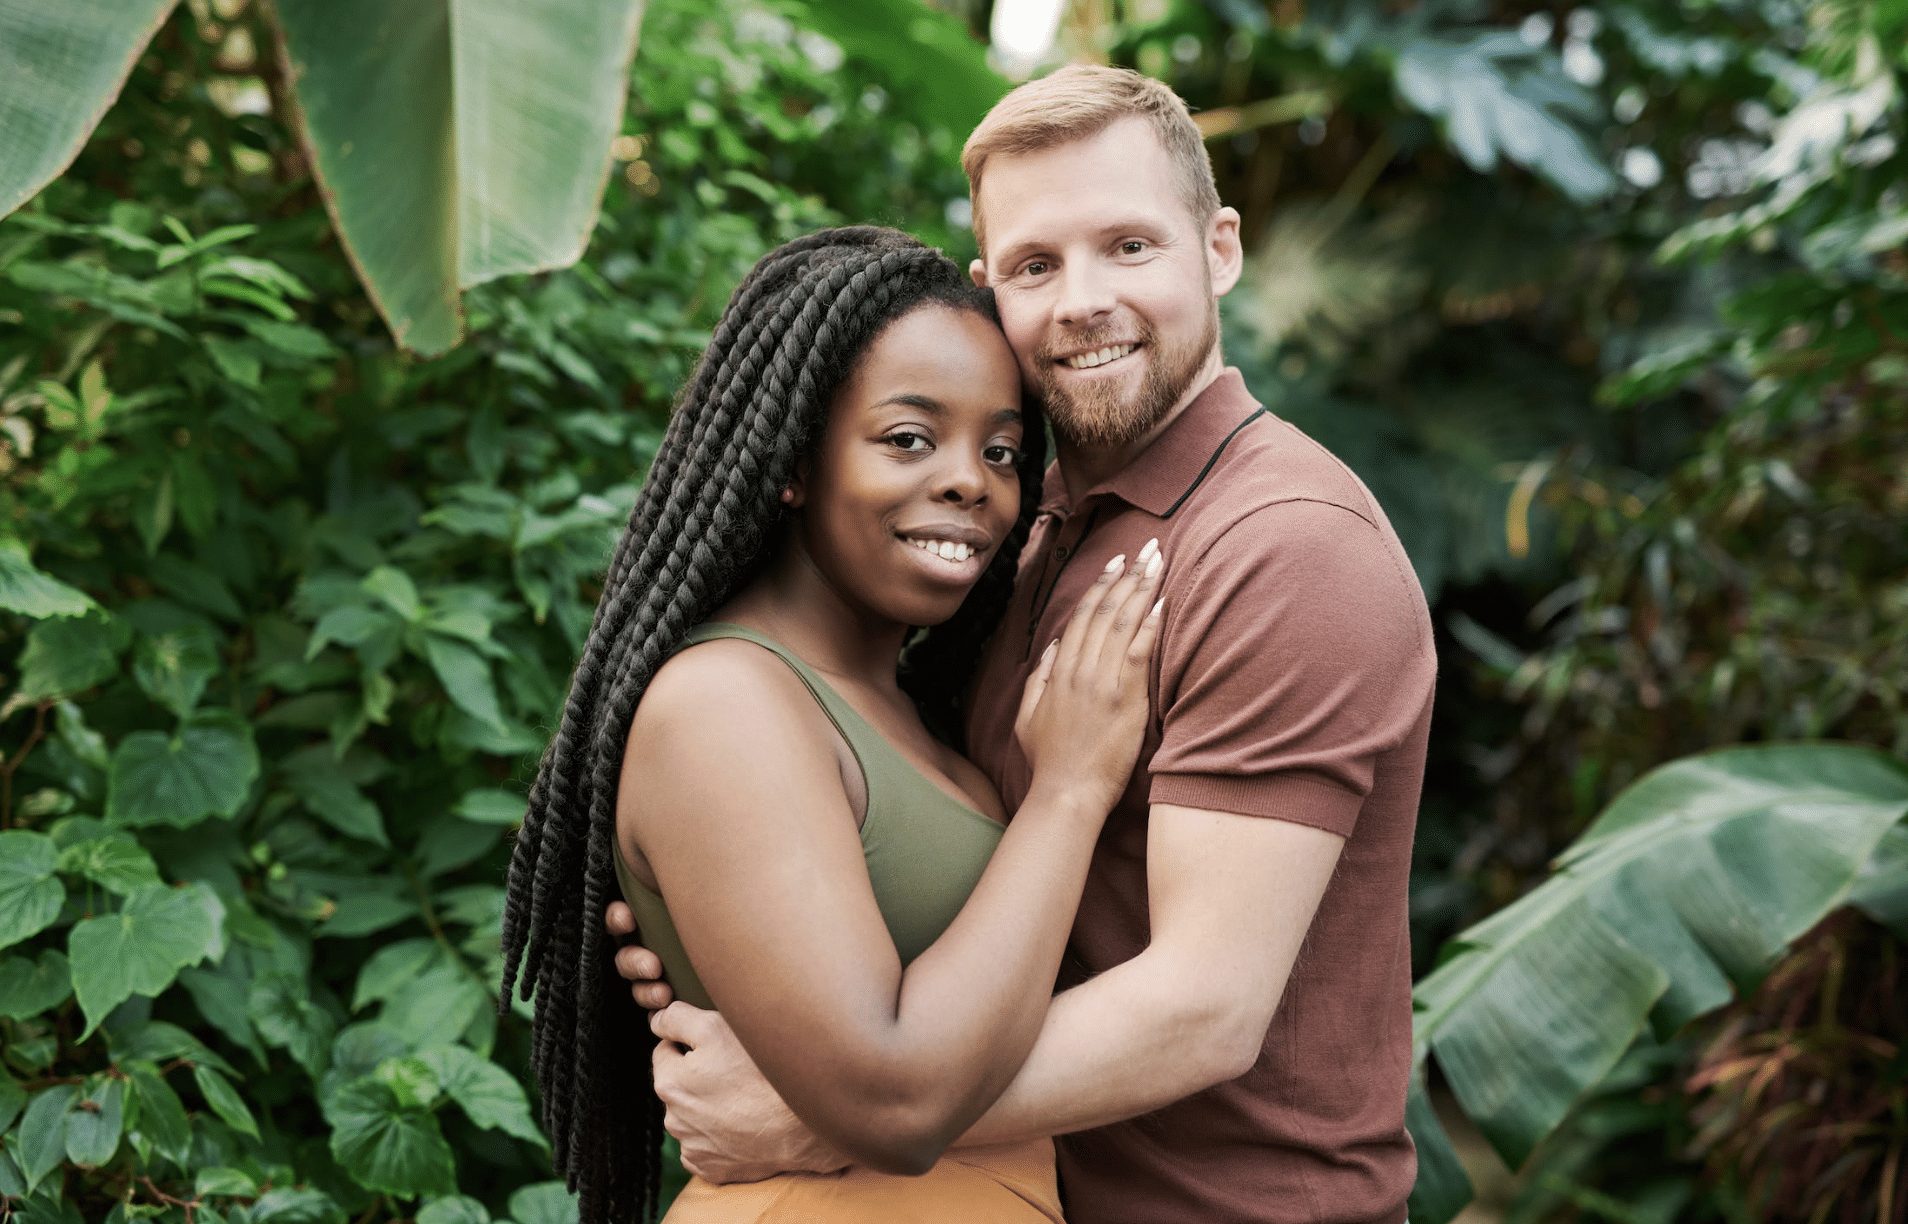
[1023, 32]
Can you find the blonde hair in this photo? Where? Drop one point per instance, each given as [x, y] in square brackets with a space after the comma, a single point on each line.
[1082, 100]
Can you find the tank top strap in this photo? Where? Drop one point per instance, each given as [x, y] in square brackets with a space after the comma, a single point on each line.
[871, 749]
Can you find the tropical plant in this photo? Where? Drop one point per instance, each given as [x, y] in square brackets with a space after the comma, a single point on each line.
[454, 143]
[1692, 883]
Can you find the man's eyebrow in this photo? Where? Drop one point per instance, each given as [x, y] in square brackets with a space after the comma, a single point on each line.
[1135, 224]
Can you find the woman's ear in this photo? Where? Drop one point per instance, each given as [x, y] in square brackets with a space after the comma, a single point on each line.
[795, 492]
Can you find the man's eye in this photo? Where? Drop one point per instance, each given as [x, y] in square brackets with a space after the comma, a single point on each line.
[904, 440]
[1034, 267]
[1132, 246]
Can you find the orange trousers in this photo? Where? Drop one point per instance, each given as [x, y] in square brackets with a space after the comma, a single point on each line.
[1009, 1184]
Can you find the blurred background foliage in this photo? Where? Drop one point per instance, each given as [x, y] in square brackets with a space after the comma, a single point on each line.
[1607, 302]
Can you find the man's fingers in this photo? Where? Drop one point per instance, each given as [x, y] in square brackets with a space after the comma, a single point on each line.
[638, 964]
[652, 996]
[681, 1023]
[618, 920]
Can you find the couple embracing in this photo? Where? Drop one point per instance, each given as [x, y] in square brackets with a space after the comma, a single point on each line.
[886, 729]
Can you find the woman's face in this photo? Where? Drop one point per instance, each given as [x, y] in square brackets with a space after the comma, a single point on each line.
[914, 485]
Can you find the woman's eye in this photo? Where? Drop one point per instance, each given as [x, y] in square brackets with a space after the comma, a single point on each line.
[903, 440]
[1003, 454]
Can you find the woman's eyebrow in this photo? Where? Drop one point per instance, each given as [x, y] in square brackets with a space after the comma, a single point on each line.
[909, 399]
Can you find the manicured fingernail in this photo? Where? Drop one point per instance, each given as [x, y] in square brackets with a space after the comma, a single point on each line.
[1114, 566]
[1048, 652]
[1152, 546]
[1157, 606]
[1153, 565]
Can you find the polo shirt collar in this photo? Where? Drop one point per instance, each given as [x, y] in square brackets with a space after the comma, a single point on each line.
[1162, 476]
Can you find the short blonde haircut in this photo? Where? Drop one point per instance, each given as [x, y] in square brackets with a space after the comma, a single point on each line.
[1082, 100]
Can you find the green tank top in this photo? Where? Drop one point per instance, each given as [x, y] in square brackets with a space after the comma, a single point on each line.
[925, 849]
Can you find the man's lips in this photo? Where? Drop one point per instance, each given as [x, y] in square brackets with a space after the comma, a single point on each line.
[1098, 357]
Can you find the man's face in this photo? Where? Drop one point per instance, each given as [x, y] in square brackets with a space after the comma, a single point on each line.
[1108, 287]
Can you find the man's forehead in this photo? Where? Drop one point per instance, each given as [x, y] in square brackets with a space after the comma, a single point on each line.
[1118, 175]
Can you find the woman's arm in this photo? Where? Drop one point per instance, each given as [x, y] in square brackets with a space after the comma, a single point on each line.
[731, 790]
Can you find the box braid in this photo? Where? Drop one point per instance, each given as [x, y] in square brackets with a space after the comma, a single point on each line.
[701, 526]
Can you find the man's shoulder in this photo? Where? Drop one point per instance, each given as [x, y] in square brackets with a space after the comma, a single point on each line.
[1275, 487]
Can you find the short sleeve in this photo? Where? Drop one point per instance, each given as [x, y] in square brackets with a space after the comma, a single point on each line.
[1295, 655]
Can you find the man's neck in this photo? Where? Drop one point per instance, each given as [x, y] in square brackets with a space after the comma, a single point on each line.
[1082, 467]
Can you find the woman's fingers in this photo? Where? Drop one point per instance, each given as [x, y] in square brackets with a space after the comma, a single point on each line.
[1079, 630]
[1124, 608]
[1036, 684]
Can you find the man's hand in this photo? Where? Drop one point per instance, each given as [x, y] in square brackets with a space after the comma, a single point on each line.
[638, 966]
[731, 1124]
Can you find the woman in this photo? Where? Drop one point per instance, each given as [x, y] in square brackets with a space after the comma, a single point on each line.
[849, 461]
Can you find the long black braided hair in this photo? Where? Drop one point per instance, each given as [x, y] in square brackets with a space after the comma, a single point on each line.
[703, 523]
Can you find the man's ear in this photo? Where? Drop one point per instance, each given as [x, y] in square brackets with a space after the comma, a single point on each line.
[1225, 257]
[978, 270]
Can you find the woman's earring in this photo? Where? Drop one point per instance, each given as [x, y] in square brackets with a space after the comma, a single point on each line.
[788, 496]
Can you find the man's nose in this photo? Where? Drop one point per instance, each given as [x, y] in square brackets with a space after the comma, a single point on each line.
[1086, 296]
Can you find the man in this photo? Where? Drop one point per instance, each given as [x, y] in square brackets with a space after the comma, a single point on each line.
[1232, 1040]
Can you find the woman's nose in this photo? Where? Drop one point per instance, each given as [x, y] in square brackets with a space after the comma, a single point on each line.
[963, 481]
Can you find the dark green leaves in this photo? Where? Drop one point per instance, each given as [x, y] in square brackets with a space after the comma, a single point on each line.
[385, 1144]
[204, 769]
[24, 589]
[140, 949]
[29, 987]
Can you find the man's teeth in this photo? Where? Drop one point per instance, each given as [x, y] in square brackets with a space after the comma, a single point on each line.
[946, 550]
[1099, 357]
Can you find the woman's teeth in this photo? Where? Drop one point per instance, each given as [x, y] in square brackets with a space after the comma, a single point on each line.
[1099, 357]
[946, 550]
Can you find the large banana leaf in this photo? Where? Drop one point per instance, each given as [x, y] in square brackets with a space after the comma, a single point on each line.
[61, 65]
[1692, 882]
[459, 142]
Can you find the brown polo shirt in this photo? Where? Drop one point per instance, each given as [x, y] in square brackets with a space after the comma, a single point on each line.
[1292, 682]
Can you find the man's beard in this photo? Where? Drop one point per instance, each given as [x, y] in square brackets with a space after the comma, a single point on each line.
[1105, 416]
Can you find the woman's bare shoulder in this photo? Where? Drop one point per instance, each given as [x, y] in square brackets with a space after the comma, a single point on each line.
[721, 697]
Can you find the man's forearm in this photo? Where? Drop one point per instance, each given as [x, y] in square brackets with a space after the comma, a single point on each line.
[1135, 1038]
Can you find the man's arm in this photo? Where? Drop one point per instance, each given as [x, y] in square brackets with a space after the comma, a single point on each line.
[1230, 900]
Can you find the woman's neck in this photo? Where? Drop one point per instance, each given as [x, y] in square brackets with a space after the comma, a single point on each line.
[793, 602]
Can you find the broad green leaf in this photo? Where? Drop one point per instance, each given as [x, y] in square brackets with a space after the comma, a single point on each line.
[224, 1182]
[13, 1099]
[942, 77]
[412, 1082]
[112, 859]
[488, 805]
[29, 987]
[205, 769]
[488, 1094]
[140, 949]
[1695, 877]
[391, 969]
[23, 588]
[302, 1205]
[1882, 891]
[331, 797]
[449, 843]
[384, 1146]
[224, 1100]
[95, 1122]
[161, 1115]
[458, 1210]
[394, 588]
[40, 1144]
[498, 161]
[282, 1010]
[1443, 1188]
[68, 655]
[30, 894]
[439, 1003]
[156, 1041]
[173, 668]
[465, 675]
[543, 1203]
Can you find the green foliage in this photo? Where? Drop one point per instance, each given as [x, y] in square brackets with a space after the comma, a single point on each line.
[456, 143]
[287, 615]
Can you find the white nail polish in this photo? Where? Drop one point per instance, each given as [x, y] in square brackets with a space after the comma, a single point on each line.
[1153, 565]
[1152, 547]
[1113, 566]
